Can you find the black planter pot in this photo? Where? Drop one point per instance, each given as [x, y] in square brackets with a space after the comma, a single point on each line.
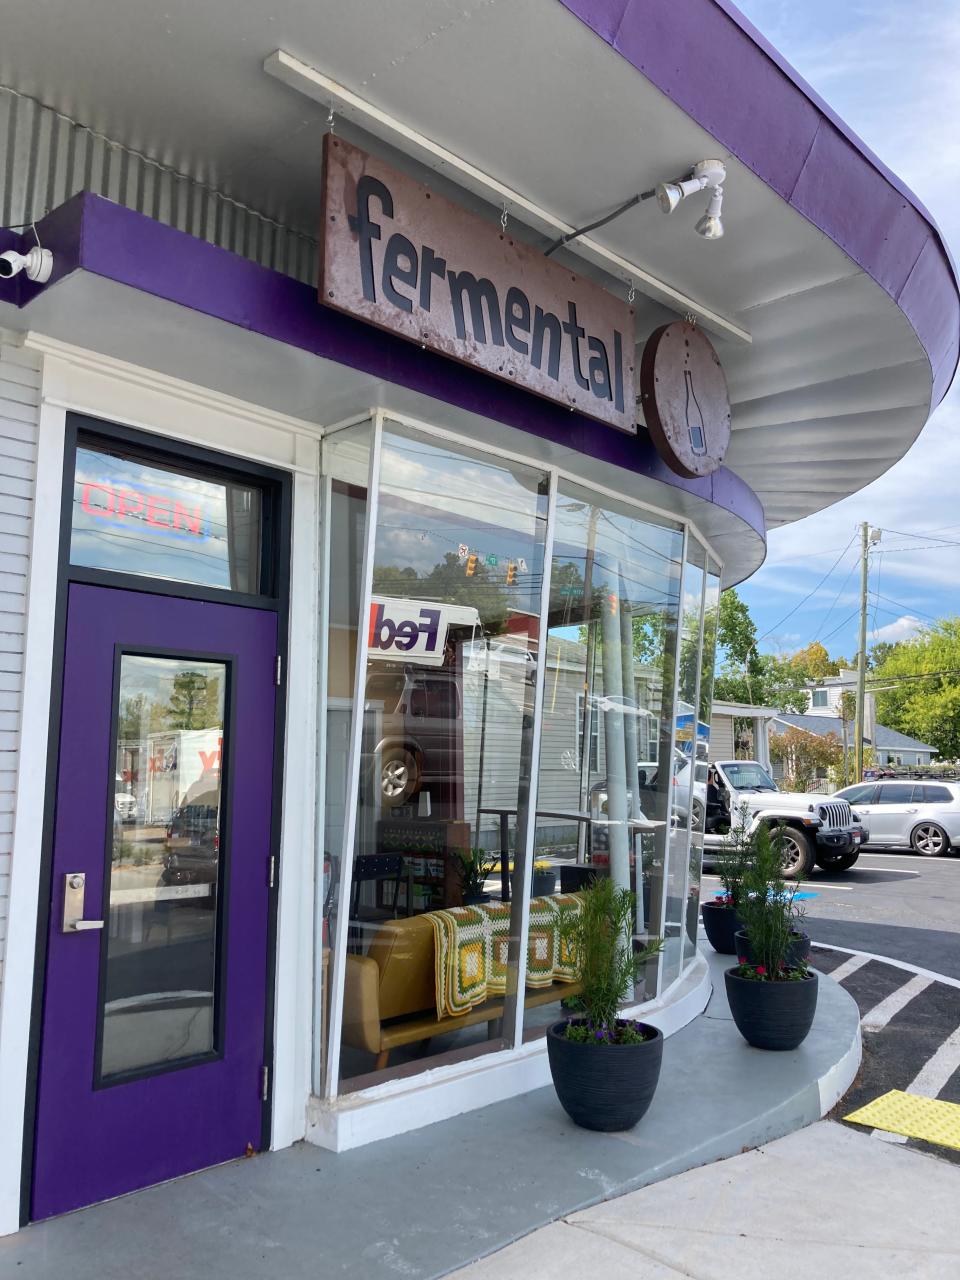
[544, 884]
[604, 1087]
[772, 1015]
[474, 899]
[720, 924]
[797, 953]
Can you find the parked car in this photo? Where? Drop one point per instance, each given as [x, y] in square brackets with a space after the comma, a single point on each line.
[124, 802]
[419, 711]
[923, 816]
[814, 830]
[193, 842]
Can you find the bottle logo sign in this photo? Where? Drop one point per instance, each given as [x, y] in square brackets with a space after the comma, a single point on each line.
[684, 399]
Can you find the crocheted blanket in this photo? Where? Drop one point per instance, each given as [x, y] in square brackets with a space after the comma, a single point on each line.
[472, 949]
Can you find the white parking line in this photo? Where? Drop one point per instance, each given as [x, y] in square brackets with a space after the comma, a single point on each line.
[936, 1071]
[807, 884]
[897, 964]
[849, 966]
[907, 857]
[896, 871]
[878, 1017]
[930, 1079]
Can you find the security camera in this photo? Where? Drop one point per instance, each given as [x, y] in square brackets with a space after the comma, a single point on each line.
[36, 262]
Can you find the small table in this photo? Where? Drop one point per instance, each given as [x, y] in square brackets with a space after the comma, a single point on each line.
[638, 825]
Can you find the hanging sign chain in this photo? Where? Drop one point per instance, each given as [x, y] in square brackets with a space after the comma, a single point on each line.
[331, 125]
[503, 217]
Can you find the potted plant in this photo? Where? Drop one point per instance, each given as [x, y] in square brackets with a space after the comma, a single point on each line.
[721, 918]
[605, 1068]
[772, 993]
[544, 879]
[475, 866]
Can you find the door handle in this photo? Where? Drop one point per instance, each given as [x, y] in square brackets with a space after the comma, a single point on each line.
[74, 887]
[911, 811]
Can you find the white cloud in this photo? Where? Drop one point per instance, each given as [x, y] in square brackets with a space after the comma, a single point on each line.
[902, 629]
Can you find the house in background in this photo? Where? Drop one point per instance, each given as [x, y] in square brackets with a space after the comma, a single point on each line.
[889, 746]
[824, 694]
[740, 730]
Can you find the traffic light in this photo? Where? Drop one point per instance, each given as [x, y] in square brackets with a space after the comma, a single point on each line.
[511, 574]
[613, 602]
[471, 564]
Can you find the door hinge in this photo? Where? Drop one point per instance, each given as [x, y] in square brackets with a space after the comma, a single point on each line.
[278, 669]
[264, 1082]
[272, 871]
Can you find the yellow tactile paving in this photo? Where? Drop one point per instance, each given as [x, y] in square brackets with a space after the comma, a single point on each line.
[913, 1116]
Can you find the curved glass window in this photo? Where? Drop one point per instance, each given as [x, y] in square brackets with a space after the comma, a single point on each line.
[501, 729]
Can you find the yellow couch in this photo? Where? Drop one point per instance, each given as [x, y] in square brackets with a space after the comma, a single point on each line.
[390, 995]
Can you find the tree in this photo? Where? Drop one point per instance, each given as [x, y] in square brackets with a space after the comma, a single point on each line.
[736, 631]
[773, 682]
[927, 707]
[194, 701]
[814, 662]
[803, 755]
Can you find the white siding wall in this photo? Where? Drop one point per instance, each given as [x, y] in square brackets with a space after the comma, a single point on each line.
[721, 738]
[19, 417]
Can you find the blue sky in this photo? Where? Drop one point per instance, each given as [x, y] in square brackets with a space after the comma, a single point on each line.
[889, 69]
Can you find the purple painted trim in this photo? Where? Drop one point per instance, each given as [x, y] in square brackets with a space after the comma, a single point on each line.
[708, 59]
[94, 235]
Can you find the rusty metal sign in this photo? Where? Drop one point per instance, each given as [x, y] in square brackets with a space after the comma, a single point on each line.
[683, 392]
[405, 259]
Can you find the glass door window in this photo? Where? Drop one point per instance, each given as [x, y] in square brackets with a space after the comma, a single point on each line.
[160, 974]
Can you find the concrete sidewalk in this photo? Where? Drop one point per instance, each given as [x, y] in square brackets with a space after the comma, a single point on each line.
[425, 1203]
[824, 1202]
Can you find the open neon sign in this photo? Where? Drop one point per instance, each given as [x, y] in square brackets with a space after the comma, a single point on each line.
[153, 512]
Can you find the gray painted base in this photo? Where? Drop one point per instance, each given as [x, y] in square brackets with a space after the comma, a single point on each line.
[427, 1202]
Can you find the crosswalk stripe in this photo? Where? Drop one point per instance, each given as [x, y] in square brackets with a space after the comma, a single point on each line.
[849, 966]
[938, 1069]
[877, 1018]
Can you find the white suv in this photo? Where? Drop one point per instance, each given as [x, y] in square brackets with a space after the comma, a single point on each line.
[923, 816]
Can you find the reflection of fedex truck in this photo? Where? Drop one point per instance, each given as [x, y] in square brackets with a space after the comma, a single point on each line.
[414, 631]
[179, 762]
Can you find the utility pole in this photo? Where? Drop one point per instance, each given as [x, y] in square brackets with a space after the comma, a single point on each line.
[868, 536]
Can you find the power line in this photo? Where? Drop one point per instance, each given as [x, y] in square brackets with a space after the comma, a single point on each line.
[844, 623]
[809, 596]
[927, 537]
[836, 599]
[911, 608]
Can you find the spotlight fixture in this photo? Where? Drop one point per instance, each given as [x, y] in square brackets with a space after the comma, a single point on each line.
[36, 262]
[710, 225]
[706, 173]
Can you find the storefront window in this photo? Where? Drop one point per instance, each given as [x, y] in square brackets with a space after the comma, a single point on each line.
[604, 778]
[701, 798]
[429, 827]
[689, 757]
[444, 769]
[346, 466]
[132, 516]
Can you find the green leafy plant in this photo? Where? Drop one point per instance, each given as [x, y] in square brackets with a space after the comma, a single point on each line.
[475, 866]
[732, 860]
[600, 935]
[772, 918]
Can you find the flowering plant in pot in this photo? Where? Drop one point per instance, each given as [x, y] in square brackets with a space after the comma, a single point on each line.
[605, 1068]
[772, 993]
[721, 917]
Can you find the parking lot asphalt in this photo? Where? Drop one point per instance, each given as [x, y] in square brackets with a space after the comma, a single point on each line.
[898, 905]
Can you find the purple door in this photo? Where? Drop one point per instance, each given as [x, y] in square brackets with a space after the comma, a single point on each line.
[152, 1051]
